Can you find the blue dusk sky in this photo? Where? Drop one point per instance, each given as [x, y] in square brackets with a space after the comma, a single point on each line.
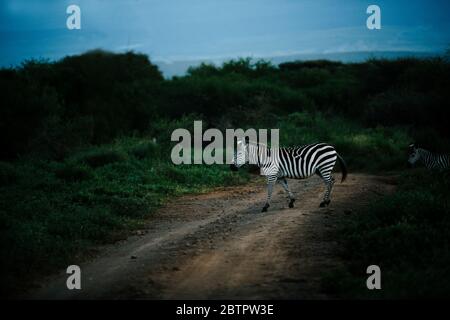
[177, 30]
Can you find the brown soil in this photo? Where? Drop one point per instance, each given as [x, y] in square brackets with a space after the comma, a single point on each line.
[220, 246]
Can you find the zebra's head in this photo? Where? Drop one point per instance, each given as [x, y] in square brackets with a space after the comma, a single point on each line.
[414, 154]
[240, 155]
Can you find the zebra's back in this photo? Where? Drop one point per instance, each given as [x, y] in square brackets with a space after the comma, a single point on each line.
[438, 161]
[305, 161]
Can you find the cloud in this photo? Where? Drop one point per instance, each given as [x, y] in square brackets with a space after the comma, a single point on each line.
[129, 47]
[179, 30]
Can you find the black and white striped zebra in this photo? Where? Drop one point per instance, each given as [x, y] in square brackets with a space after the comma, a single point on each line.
[429, 159]
[292, 162]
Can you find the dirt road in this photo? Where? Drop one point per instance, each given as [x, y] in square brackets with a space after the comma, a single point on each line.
[219, 246]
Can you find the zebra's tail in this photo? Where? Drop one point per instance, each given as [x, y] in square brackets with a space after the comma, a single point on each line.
[343, 167]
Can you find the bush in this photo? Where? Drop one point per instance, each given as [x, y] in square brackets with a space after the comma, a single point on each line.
[50, 108]
[101, 157]
[398, 107]
[72, 172]
[386, 146]
[145, 150]
[98, 96]
[8, 174]
[55, 138]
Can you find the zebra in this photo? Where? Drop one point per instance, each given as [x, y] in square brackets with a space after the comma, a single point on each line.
[291, 162]
[432, 161]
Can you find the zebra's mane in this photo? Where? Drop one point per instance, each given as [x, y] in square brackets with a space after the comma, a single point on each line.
[433, 153]
[263, 145]
[259, 144]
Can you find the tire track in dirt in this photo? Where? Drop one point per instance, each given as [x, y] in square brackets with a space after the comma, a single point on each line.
[219, 246]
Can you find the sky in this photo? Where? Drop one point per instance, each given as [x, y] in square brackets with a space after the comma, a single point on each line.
[179, 30]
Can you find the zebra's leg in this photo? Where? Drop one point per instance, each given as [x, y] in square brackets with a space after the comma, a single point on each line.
[285, 185]
[271, 180]
[329, 185]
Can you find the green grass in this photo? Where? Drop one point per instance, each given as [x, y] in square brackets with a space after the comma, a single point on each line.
[407, 234]
[52, 213]
[364, 149]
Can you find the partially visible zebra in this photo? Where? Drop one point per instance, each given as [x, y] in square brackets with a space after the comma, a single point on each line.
[294, 162]
[429, 159]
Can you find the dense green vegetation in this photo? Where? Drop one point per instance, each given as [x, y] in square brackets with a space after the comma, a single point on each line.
[385, 145]
[407, 235]
[86, 145]
[52, 211]
[50, 108]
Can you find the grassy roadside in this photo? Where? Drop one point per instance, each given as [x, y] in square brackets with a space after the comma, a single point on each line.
[53, 212]
[407, 235]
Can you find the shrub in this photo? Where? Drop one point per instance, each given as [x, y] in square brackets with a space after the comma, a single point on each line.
[100, 157]
[386, 146]
[8, 174]
[73, 172]
[145, 150]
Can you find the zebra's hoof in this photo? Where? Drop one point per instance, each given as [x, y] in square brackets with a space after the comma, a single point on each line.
[291, 203]
[264, 209]
[324, 203]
